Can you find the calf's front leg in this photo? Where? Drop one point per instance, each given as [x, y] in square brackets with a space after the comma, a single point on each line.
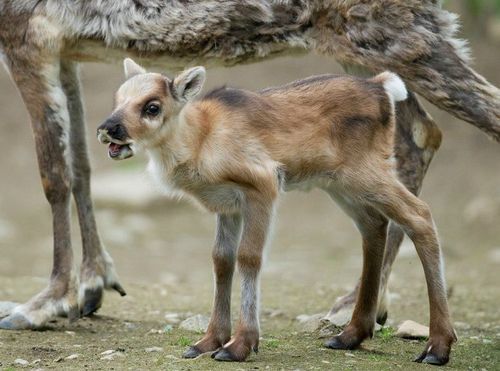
[257, 215]
[224, 257]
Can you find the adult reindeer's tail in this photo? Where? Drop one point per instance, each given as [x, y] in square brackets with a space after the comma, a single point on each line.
[415, 39]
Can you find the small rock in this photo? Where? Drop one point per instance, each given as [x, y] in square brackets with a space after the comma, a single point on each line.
[196, 323]
[72, 356]
[112, 356]
[38, 360]
[341, 318]
[21, 362]
[173, 318]
[106, 352]
[168, 329]
[6, 308]
[349, 354]
[130, 326]
[69, 332]
[154, 349]
[309, 323]
[412, 330]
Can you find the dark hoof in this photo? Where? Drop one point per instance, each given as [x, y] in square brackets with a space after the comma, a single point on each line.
[192, 352]
[15, 321]
[92, 301]
[117, 287]
[338, 343]
[382, 318]
[73, 313]
[224, 355]
[432, 359]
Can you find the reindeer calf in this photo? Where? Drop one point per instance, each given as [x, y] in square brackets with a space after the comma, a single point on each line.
[234, 150]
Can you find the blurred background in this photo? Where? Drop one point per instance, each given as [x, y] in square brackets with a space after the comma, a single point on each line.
[315, 254]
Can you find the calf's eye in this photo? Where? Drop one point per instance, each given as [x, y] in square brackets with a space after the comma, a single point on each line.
[152, 109]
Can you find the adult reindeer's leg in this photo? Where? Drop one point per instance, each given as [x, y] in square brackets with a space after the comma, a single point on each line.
[224, 258]
[38, 81]
[417, 140]
[97, 270]
[257, 215]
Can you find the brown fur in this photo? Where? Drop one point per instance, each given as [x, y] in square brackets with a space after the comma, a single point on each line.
[234, 150]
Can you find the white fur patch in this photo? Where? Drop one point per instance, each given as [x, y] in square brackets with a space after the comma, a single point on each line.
[394, 86]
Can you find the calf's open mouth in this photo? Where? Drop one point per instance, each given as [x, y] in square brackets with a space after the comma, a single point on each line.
[119, 151]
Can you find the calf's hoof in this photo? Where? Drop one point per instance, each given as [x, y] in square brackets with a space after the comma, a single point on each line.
[226, 356]
[437, 352]
[192, 352]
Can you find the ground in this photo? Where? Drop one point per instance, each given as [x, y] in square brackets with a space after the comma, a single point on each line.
[162, 251]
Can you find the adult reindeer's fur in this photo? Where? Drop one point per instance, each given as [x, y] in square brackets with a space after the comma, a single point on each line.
[41, 42]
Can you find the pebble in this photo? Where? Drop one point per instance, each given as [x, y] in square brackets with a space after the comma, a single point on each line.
[412, 330]
[196, 323]
[69, 332]
[112, 356]
[341, 318]
[172, 318]
[309, 323]
[109, 351]
[72, 356]
[154, 349]
[20, 361]
[168, 329]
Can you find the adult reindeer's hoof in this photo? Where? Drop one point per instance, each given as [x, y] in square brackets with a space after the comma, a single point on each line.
[15, 321]
[58, 299]
[95, 276]
[382, 318]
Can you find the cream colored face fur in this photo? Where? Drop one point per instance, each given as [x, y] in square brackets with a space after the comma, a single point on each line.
[147, 106]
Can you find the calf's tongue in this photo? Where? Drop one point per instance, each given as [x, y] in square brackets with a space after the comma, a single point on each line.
[114, 149]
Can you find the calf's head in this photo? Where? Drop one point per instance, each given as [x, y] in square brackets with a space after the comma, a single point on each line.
[146, 108]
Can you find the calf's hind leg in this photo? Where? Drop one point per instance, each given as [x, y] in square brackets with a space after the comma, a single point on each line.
[97, 270]
[40, 87]
[417, 140]
[414, 216]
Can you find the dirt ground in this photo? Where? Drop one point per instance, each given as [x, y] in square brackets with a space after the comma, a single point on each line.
[162, 250]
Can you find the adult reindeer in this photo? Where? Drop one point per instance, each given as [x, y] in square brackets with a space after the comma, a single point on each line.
[42, 42]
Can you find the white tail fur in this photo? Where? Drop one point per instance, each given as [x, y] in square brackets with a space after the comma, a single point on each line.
[394, 86]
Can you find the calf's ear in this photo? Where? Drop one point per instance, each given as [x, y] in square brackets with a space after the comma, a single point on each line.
[131, 68]
[188, 84]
